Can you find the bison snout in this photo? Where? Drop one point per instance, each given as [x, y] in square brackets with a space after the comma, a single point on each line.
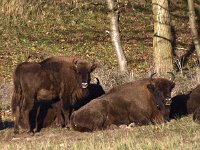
[168, 100]
[84, 85]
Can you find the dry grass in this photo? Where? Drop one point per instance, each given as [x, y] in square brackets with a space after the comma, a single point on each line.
[180, 134]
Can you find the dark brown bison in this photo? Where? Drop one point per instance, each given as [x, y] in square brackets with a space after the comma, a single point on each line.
[94, 90]
[48, 80]
[194, 101]
[193, 104]
[140, 102]
[47, 113]
[178, 106]
[196, 115]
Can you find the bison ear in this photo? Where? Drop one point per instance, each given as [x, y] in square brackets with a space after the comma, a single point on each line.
[74, 64]
[151, 87]
[98, 82]
[74, 67]
[172, 78]
[93, 67]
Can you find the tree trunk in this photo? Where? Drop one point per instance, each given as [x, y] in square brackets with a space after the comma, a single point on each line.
[193, 27]
[114, 29]
[162, 37]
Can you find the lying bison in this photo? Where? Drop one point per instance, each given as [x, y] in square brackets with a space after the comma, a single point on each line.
[193, 104]
[53, 79]
[178, 106]
[140, 102]
[196, 115]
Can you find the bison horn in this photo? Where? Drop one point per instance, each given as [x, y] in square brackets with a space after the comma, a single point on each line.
[29, 56]
[151, 77]
[172, 76]
[93, 66]
[97, 80]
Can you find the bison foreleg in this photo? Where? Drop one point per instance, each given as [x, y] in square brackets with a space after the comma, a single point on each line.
[66, 108]
[67, 113]
[36, 120]
[59, 117]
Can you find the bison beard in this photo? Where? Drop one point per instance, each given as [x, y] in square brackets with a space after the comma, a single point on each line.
[141, 102]
[48, 80]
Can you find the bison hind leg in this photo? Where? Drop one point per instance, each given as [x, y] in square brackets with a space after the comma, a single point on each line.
[36, 129]
[26, 109]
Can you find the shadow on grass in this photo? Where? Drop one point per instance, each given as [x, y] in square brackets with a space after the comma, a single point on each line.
[6, 124]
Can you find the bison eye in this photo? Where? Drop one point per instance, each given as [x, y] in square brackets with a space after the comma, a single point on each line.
[158, 107]
[78, 72]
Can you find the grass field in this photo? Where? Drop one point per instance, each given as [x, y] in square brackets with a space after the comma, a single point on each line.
[177, 134]
[41, 29]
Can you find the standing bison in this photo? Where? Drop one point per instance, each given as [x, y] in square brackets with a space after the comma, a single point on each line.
[47, 114]
[139, 102]
[51, 79]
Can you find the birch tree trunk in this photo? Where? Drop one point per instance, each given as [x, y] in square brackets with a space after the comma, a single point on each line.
[162, 37]
[115, 37]
[193, 27]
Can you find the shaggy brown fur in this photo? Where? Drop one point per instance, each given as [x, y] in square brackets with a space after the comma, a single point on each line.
[48, 80]
[193, 104]
[61, 59]
[196, 115]
[47, 113]
[178, 106]
[194, 100]
[141, 102]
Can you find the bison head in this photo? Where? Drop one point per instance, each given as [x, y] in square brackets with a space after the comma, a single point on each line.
[165, 86]
[158, 96]
[83, 70]
[159, 100]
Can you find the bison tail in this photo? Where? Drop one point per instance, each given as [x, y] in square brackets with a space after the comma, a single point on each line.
[17, 92]
[15, 101]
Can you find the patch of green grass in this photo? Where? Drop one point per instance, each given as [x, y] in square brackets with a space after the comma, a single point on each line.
[43, 29]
